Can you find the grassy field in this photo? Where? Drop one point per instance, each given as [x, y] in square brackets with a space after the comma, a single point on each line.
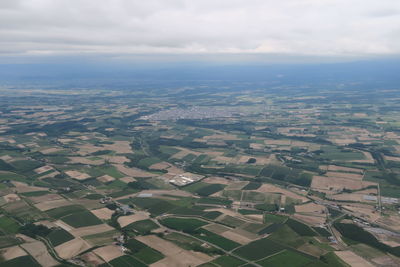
[259, 249]
[81, 219]
[143, 252]
[20, 261]
[59, 236]
[272, 218]
[215, 239]
[126, 261]
[300, 228]
[228, 261]
[232, 221]
[57, 213]
[9, 225]
[183, 224]
[286, 258]
[142, 227]
[8, 241]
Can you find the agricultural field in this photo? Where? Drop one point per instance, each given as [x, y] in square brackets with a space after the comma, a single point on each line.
[273, 175]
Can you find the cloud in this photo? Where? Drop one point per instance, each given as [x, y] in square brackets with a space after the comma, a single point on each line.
[343, 28]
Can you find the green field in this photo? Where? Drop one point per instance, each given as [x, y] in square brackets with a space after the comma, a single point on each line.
[215, 239]
[20, 261]
[126, 261]
[143, 252]
[59, 236]
[8, 225]
[286, 258]
[272, 218]
[228, 261]
[81, 219]
[142, 227]
[300, 228]
[57, 213]
[183, 224]
[259, 249]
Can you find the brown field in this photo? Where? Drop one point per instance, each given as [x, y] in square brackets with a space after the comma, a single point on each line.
[237, 237]
[336, 184]
[353, 176]
[216, 180]
[316, 219]
[160, 166]
[364, 211]
[43, 169]
[343, 169]
[108, 253]
[77, 175]
[175, 256]
[256, 146]
[72, 248]
[269, 188]
[277, 142]
[353, 259]
[259, 160]
[12, 252]
[63, 225]
[138, 216]
[348, 197]
[310, 208]
[47, 205]
[11, 198]
[391, 222]
[116, 159]
[91, 230]
[236, 185]
[392, 158]
[24, 188]
[121, 147]
[39, 251]
[103, 213]
[134, 172]
[106, 179]
[311, 250]
[50, 150]
[91, 259]
[48, 197]
[85, 160]
[127, 179]
[88, 149]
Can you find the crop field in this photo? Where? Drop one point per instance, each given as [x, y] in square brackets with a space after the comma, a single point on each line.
[143, 252]
[286, 258]
[81, 219]
[182, 224]
[215, 239]
[271, 158]
[272, 218]
[142, 227]
[300, 228]
[57, 213]
[153, 205]
[20, 261]
[59, 236]
[231, 221]
[8, 225]
[259, 249]
[228, 261]
[126, 261]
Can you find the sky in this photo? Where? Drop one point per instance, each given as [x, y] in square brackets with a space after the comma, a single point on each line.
[199, 29]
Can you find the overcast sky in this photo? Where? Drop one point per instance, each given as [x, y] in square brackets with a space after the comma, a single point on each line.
[333, 28]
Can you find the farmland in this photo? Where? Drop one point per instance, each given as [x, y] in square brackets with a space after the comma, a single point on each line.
[274, 175]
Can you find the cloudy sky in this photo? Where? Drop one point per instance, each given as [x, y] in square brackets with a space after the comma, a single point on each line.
[118, 28]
